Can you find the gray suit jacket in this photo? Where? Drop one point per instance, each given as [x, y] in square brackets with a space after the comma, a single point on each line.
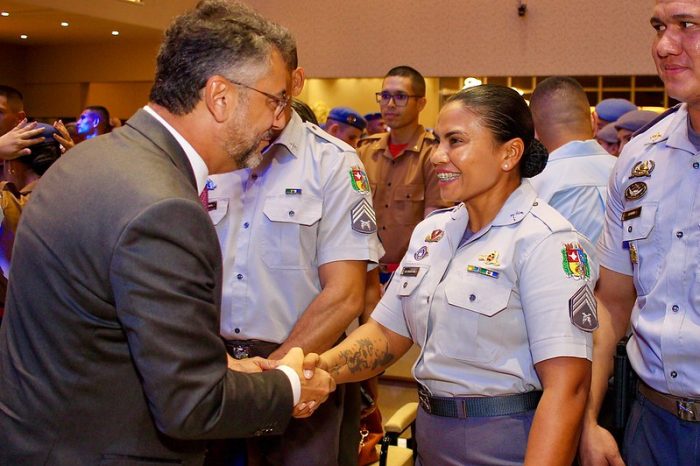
[110, 350]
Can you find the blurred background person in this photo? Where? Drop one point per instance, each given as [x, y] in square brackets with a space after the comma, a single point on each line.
[609, 110]
[93, 121]
[375, 123]
[630, 123]
[607, 138]
[345, 124]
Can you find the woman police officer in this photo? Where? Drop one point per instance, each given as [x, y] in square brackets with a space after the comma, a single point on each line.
[496, 291]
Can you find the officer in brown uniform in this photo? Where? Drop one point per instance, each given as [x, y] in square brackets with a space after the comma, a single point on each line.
[403, 181]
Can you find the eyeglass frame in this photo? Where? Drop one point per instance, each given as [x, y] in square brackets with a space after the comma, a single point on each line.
[282, 102]
[379, 98]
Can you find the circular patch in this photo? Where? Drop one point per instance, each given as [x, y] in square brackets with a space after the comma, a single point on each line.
[635, 191]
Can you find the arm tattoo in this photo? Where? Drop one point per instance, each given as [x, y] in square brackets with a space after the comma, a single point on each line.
[363, 355]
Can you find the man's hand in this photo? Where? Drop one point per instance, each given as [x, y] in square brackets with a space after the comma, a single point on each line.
[16, 142]
[316, 384]
[251, 365]
[63, 137]
[598, 447]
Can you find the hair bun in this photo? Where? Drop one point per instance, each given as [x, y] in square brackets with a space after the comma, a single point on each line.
[534, 159]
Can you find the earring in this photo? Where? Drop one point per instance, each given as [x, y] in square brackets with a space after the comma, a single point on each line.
[505, 166]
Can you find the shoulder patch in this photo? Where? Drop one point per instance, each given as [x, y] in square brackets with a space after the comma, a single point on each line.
[363, 218]
[550, 217]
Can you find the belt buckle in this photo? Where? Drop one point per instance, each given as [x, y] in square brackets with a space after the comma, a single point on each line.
[240, 351]
[685, 411]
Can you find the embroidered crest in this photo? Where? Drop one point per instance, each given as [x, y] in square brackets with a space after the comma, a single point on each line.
[643, 168]
[358, 180]
[421, 253]
[490, 258]
[362, 217]
[582, 309]
[575, 262]
[435, 236]
[482, 271]
[635, 191]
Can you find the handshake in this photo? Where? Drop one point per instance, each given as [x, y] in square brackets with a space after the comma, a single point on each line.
[316, 383]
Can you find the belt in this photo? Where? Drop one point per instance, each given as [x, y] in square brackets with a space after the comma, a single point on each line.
[241, 349]
[686, 409]
[487, 406]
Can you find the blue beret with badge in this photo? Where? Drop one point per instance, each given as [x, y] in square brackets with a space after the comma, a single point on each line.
[612, 109]
[348, 116]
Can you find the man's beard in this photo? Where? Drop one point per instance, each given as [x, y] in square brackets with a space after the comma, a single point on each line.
[242, 148]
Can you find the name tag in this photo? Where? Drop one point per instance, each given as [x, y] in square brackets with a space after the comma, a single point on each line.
[410, 271]
[633, 213]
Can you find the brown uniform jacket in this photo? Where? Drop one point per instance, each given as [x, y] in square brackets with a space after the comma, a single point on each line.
[402, 187]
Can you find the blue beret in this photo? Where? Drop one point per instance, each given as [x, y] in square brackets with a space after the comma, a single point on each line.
[347, 116]
[607, 133]
[612, 109]
[632, 121]
[373, 116]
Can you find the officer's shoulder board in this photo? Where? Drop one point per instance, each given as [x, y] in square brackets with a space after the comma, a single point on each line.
[550, 217]
[656, 120]
[320, 133]
[442, 211]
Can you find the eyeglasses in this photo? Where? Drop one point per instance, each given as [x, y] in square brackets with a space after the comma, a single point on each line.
[281, 102]
[400, 98]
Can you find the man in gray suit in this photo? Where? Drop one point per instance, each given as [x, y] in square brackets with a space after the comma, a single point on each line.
[109, 352]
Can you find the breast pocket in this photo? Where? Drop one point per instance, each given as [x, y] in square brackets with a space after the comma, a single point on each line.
[644, 254]
[218, 208]
[408, 204]
[290, 231]
[473, 301]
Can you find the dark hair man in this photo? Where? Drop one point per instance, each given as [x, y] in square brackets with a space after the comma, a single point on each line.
[93, 121]
[110, 350]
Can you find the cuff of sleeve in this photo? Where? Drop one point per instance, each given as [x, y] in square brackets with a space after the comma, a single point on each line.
[561, 348]
[294, 380]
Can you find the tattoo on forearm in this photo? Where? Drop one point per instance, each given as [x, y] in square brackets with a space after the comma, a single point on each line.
[363, 355]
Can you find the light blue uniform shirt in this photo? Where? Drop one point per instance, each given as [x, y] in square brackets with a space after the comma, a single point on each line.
[482, 332]
[575, 181]
[277, 223]
[652, 232]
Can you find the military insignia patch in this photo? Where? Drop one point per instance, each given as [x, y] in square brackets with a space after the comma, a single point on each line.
[421, 253]
[636, 191]
[362, 217]
[358, 180]
[482, 271]
[490, 258]
[575, 262]
[583, 311]
[643, 168]
[435, 236]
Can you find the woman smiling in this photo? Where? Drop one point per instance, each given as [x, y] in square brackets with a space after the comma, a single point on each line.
[496, 291]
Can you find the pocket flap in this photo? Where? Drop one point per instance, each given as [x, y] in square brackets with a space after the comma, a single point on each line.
[479, 293]
[638, 225]
[409, 192]
[300, 210]
[409, 276]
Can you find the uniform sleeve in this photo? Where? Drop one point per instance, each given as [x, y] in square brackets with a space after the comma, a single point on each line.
[612, 253]
[584, 207]
[547, 284]
[344, 205]
[389, 311]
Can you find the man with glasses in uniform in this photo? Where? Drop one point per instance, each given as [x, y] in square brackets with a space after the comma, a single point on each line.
[404, 183]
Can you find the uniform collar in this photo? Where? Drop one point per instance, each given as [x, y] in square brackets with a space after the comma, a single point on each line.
[517, 206]
[291, 138]
[675, 134]
[414, 145]
[577, 148]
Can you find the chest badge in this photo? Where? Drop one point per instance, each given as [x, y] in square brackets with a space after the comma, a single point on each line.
[292, 191]
[643, 168]
[490, 258]
[435, 236]
[421, 253]
[358, 180]
[210, 185]
[633, 252]
[482, 271]
[410, 271]
[635, 191]
[575, 262]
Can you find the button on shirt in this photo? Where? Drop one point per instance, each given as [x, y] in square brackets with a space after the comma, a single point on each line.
[278, 223]
[652, 232]
[485, 312]
[575, 183]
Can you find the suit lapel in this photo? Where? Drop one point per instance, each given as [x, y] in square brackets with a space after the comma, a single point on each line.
[155, 132]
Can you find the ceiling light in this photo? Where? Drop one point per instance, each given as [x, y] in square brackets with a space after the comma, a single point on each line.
[64, 24]
[4, 13]
[115, 33]
[23, 36]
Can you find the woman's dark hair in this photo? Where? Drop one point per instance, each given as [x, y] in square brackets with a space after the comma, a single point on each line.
[506, 114]
[42, 157]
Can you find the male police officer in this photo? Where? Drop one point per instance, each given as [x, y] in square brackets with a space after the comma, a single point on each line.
[649, 270]
[345, 124]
